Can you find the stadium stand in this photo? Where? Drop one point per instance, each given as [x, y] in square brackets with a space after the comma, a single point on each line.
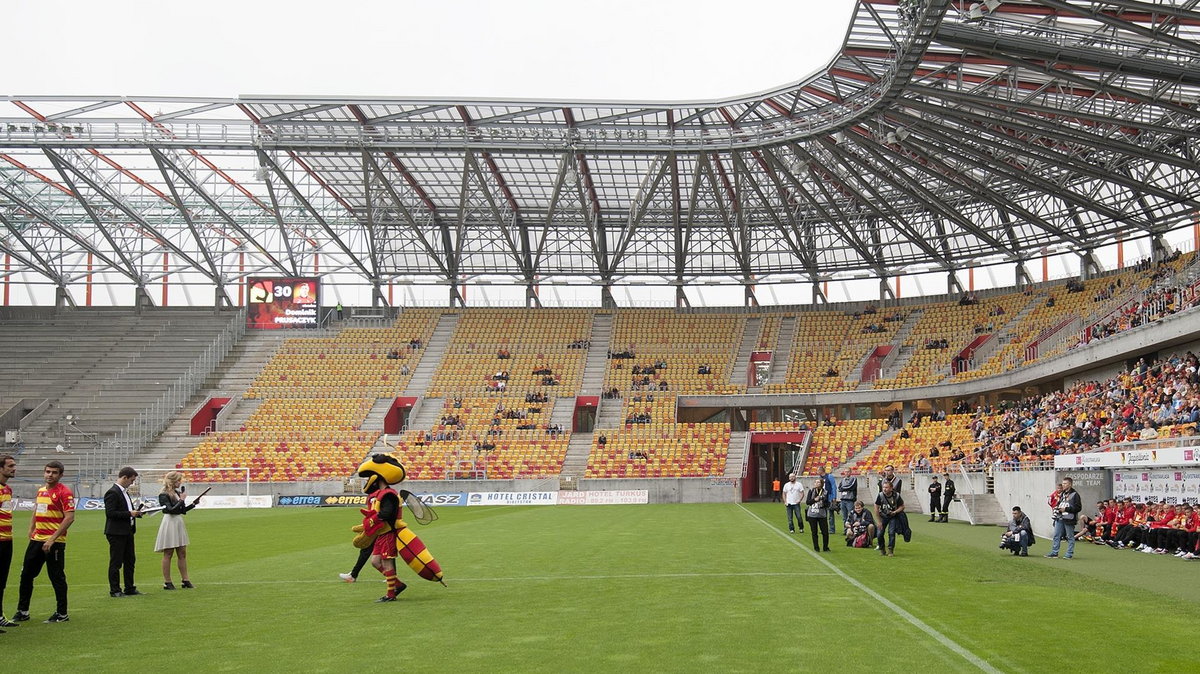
[357, 363]
[503, 373]
[488, 342]
[315, 394]
[829, 345]
[832, 445]
[498, 437]
[290, 439]
[100, 366]
[655, 355]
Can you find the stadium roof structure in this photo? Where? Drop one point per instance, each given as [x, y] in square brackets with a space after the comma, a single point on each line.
[942, 136]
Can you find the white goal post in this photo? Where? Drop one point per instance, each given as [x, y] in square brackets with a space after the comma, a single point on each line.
[227, 482]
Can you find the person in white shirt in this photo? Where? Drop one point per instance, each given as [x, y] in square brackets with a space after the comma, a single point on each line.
[793, 499]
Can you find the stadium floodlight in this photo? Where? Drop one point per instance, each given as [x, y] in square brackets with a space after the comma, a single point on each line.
[975, 12]
[992, 5]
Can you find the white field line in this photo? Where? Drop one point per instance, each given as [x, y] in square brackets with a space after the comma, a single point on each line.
[368, 573]
[912, 619]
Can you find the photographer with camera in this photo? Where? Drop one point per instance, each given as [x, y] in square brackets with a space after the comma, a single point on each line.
[847, 492]
[889, 510]
[860, 526]
[817, 499]
[1019, 536]
[1065, 505]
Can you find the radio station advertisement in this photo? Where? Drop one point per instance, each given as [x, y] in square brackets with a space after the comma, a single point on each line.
[283, 303]
[616, 497]
[1161, 486]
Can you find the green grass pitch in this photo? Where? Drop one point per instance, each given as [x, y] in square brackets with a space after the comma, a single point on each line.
[608, 588]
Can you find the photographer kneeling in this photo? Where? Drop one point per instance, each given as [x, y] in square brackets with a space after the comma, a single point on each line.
[860, 527]
[1019, 536]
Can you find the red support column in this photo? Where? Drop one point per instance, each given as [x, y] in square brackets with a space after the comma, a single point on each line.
[1045, 269]
[391, 302]
[971, 279]
[242, 275]
[164, 281]
[87, 294]
[897, 287]
[316, 264]
[1120, 252]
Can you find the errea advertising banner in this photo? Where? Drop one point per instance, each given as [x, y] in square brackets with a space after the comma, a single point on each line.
[360, 500]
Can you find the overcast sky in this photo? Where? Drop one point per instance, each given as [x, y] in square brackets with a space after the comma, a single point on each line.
[541, 49]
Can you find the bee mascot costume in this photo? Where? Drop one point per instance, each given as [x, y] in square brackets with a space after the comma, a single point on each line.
[385, 533]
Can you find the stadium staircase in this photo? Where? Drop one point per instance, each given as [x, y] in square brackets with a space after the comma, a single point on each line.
[597, 355]
[231, 379]
[431, 357]
[102, 367]
[903, 352]
[853, 462]
[1005, 334]
[575, 462]
[984, 508]
[783, 350]
[751, 331]
[374, 422]
[609, 416]
[427, 415]
[735, 460]
[563, 413]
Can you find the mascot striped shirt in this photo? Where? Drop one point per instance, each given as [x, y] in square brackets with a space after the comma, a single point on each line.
[53, 504]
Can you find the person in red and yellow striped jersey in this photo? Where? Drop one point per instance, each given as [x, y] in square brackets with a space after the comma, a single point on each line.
[53, 515]
[8, 468]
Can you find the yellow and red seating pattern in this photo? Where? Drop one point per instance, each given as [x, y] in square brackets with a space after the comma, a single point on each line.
[828, 340]
[899, 452]
[533, 338]
[683, 342]
[956, 324]
[354, 364]
[768, 334]
[518, 453]
[290, 439]
[669, 450]
[832, 446]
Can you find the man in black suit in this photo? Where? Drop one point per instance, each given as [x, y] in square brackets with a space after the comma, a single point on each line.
[119, 527]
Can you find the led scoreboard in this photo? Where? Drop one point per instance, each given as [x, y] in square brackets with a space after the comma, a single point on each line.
[277, 303]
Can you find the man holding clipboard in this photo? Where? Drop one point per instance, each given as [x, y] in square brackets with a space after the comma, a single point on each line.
[120, 524]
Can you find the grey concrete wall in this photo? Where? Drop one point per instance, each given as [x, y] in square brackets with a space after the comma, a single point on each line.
[1029, 489]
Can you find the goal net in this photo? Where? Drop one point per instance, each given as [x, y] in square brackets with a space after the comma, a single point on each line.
[228, 487]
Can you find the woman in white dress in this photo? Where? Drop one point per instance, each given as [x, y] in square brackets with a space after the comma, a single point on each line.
[172, 534]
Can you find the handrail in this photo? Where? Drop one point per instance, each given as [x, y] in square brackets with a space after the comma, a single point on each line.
[152, 420]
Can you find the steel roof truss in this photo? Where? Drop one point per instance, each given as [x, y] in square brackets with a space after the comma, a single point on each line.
[216, 276]
[42, 265]
[266, 160]
[120, 204]
[123, 267]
